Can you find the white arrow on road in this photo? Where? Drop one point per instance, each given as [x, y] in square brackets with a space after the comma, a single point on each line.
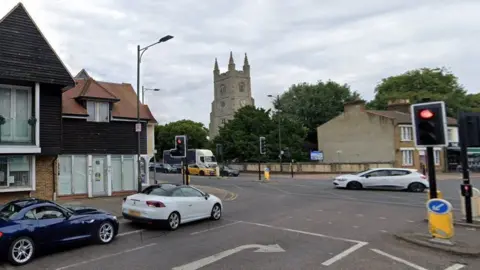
[437, 207]
[211, 259]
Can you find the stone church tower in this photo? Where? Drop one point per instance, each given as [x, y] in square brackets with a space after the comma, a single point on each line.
[232, 90]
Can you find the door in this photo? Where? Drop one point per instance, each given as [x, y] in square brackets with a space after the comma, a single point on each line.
[199, 205]
[99, 176]
[184, 204]
[376, 179]
[399, 179]
[52, 228]
[64, 175]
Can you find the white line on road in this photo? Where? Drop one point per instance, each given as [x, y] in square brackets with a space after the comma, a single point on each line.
[214, 228]
[456, 266]
[398, 259]
[130, 232]
[105, 257]
[343, 254]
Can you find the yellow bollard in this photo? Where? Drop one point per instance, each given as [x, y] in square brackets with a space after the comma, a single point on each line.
[266, 174]
[440, 219]
[188, 179]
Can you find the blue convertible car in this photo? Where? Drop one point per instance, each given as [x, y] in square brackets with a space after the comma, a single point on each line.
[30, 224]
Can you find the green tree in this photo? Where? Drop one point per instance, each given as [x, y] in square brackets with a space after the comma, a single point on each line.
[240, 136]
[423, 84]
[314, 104]
[165, 135]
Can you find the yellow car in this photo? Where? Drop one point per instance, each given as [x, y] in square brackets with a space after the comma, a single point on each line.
[194, 169]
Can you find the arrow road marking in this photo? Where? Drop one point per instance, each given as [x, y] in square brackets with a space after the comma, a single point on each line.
[456, 266]
[437, 207]
[211, 259]
[398, 259]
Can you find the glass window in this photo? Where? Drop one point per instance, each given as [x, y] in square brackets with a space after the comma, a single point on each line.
[16, 110]
[98, 111]
[10, 210]
[399, 172]
[15, 171]
[407, 157]
[378, 173]
[190, 192]
[92, 111]
[48, 212]
[406, 133]
[178, 193]
[29, 215]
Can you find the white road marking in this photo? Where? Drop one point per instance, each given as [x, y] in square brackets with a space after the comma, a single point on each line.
[456, 266]
[105, 257]
[398, 259]
[216, 257]
[308, 219]
[237, 186]
[214, 228]
[359, 215]
[411, 221]
[383, 231]
[319, 210]
[329, 222]
[344, 254]
[130, 232]
[382, 218]
[355, 227]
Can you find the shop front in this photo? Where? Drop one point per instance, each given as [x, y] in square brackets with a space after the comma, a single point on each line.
[454, 159]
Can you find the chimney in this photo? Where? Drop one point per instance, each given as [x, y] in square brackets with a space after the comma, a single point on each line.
[355, 105]
[399, 105]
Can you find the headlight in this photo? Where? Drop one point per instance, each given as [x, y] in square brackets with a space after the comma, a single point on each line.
[115, 217]
[341, 179]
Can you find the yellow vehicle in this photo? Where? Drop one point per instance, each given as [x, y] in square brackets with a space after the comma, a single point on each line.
[194, 169]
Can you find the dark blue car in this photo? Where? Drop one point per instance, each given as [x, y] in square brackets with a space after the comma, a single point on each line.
[32, 224]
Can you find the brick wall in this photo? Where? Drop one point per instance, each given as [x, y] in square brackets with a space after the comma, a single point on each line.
[45, 177]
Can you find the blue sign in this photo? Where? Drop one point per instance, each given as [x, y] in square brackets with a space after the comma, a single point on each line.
[316, 155]
[439, 206]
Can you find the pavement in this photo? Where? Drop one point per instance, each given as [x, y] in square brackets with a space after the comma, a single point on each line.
[281, 224]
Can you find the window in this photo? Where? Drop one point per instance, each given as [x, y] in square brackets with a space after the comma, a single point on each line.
[242, 87]
[178, 193]
[16, 111]
[436, 157]
[48, 212]
[222, 89]
[378, 173]
[29, 215]
[10, 210]
[224, 121]
[399, 172]
[190, 192]
[450, 134]
[407, 157]
[406, 133]
[98, 111]
[15, 171]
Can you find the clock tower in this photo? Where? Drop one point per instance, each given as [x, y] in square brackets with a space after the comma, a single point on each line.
[231, 91]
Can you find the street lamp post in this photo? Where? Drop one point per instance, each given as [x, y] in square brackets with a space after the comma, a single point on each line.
[279, 131]
[140, 52]
[147, 89]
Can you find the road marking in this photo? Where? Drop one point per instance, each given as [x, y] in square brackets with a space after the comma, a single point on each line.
[383, 231]
[211, 259]
[382, 218]
[359, 215]
[411, 221]
[355, 227]
[105, 257]
[456, 266]
[344, 254]
[218, 227]
[319, 210]
[130, 232]
[398, 259]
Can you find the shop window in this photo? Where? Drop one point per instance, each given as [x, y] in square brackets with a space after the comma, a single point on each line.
[15, 171]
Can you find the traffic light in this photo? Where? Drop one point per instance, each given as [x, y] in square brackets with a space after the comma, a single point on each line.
[466, 190]
[429, 124]
[180, 150]
[263, 146]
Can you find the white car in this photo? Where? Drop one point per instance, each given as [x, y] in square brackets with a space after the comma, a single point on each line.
[384, 178]
[171, 205]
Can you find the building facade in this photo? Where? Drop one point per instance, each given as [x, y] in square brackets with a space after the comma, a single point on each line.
[364, 136]
[32, 77]
[232, 90]
[99, 150]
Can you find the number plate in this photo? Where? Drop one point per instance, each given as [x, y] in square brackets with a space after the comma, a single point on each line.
[134, 213]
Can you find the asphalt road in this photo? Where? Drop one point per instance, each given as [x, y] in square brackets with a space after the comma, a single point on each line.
[283, 224]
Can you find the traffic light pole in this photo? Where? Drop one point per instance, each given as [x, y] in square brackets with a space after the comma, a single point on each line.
[431, 173]
[465, 171]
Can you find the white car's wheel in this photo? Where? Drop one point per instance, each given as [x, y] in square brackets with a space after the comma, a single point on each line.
[416, 187]
[216, 212]
[21, 251]
[354, 185]
[173, 221]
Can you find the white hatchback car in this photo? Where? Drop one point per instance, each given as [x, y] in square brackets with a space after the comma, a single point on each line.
[384, 178]
[171, 205]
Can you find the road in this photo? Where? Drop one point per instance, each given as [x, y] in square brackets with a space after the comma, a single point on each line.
[282, 224]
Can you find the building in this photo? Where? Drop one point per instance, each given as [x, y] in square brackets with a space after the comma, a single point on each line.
[366, 136]
[32, 77]
[232, 90]
[99, 146]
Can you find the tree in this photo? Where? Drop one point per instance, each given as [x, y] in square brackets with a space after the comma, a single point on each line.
[314, 104]
[165, 135]
[240, 136]
[423, 84]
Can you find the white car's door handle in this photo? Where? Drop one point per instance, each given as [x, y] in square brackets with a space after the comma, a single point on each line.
[88, 221]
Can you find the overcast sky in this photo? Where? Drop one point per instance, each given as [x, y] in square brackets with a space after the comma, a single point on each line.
[349, 41]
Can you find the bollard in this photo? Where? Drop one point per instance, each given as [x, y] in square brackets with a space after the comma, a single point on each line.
[266, 173]
[440, 220]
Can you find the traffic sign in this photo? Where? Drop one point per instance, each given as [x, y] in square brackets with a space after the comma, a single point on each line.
[440, 218]
[439, 206]
[138, 127]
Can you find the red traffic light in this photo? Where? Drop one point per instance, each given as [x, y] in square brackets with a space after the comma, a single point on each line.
[179, 141]
[426, 114]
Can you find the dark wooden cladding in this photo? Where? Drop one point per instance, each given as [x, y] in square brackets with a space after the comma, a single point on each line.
[116, 137]
[50, 119]
[25, 54]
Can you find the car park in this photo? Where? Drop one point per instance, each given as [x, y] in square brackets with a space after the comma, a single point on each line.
[384, 178]
[28, 225]
[171, 205]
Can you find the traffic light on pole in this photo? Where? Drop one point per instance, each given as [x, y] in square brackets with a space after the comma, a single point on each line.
[263, 146]
[429, 124]
[180, 150]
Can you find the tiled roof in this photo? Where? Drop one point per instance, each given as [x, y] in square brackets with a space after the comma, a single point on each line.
[93, 89]
[126, 107]
[404, 118]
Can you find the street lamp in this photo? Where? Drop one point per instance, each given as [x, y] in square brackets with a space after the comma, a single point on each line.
[138, 128]
[147, 89]
[279, 129]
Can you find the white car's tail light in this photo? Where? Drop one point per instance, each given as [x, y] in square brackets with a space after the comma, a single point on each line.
[155, 204]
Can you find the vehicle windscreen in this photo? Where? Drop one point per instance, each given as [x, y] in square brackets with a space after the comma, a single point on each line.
[10, 210]
[359, 173]
[210, 159]
[163, 190]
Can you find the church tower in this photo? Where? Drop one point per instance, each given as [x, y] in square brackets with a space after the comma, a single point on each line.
[232, 90]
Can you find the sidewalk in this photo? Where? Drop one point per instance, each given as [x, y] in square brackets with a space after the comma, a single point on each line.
[114, 204]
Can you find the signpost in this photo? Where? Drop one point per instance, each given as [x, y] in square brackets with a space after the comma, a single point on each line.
[440, 219]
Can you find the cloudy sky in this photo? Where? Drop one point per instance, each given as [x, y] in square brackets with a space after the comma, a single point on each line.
[349, 41]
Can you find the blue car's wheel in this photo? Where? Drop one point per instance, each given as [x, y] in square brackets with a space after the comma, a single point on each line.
[105, 233]
[21, 251]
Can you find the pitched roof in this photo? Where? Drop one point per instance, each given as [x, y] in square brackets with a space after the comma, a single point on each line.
[404, 118]
[92, 89]
[25, 53]
[125, 107]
